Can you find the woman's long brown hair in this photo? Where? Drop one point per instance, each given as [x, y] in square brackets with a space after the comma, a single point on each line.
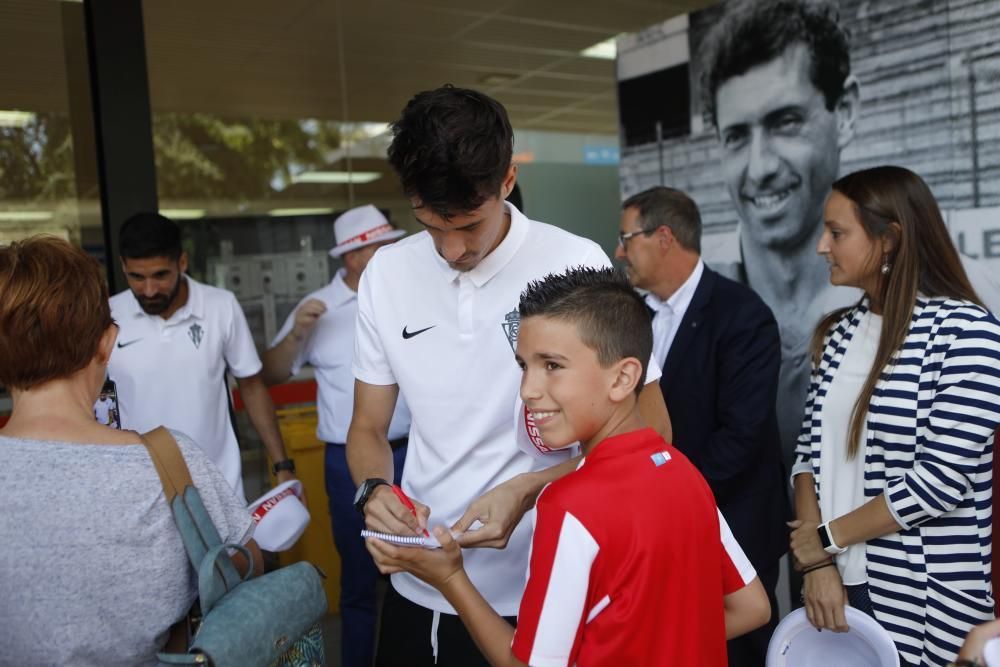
[923, 260]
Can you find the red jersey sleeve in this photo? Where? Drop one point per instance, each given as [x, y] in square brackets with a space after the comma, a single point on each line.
[551, 618]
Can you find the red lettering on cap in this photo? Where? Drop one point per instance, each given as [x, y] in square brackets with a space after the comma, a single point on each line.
[370, 234]
[269, 504]
[533, 434]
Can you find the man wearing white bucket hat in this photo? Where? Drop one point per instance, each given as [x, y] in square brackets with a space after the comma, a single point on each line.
[320, 332]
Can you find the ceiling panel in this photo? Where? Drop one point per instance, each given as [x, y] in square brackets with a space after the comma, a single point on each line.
[282, 59]
[34, 78]
[609, 17]
[554, 41]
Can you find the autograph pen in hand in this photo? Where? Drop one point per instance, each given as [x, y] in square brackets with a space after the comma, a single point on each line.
[406, 501]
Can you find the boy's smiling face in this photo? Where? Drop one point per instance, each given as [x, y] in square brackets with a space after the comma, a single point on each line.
[563, 383]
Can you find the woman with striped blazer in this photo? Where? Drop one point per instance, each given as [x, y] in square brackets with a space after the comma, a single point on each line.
[893, 475]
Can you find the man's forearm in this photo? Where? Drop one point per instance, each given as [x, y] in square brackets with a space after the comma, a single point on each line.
[368, 451]
[368, 455]
[654, 412]
[492, 634]
[534, 482]
[279, 359]
[260, 409]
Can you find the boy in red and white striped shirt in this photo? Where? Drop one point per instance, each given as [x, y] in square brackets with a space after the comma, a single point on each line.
[631, 562]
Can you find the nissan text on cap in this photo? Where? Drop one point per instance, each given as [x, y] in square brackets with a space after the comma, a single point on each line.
[362, 226]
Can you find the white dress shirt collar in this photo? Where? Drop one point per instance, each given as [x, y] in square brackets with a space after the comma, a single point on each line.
[670, 313]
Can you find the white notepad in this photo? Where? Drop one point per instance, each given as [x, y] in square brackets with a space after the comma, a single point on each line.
[430, 542]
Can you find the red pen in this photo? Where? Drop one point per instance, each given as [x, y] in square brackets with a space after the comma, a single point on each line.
[406, 501]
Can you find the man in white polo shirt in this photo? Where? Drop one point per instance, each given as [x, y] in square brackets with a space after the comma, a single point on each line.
[437, 324]
[103, 410]
[320, 332]
[177, 339]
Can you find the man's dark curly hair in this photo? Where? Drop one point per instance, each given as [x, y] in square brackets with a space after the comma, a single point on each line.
[755, 32]
[451, 148]
[609, 314]
[149, 234]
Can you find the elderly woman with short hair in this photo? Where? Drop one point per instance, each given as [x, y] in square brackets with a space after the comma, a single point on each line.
[92, 567]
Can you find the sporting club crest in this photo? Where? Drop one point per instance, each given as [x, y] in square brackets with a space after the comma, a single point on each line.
[511, 323]
[196, 333]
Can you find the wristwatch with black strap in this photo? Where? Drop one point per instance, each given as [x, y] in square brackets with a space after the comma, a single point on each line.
[365, 491]
[287, 464]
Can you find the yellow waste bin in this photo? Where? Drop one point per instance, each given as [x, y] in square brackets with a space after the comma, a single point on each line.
[298, 429]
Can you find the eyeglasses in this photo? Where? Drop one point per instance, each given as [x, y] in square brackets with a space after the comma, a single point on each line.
[623, 237]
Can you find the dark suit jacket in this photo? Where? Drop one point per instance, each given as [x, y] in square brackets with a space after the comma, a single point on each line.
[719, 381]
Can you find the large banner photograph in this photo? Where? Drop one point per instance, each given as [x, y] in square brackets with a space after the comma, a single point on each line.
[755, 108]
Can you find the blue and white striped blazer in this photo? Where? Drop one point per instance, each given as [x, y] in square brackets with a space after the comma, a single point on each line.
[930, 425]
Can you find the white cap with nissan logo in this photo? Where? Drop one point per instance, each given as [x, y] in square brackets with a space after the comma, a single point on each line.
[280, 516]
[359, 227]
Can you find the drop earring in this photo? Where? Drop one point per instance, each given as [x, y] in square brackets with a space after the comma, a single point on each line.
[885, 265]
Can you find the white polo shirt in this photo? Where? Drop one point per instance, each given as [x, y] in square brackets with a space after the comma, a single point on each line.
[330, 349]
[102, 411]
[447, 339]
[173, 372]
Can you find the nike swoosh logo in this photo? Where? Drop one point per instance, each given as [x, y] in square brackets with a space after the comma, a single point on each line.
[410, 334]
[120, 344]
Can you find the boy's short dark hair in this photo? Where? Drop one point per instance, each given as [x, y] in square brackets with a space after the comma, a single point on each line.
[451, 148]
[147, 235]
[611, 316]
[755, 32]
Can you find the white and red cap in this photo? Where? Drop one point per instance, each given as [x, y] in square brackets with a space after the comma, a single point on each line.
[280, 516]
[529, 440]
[362, 226]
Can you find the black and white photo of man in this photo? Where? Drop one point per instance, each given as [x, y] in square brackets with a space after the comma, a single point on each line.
[778, 85]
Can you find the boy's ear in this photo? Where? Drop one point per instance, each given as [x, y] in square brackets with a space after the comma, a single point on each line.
[628, 374]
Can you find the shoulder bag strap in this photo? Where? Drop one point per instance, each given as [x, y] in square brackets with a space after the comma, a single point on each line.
[197, 530]
[169, 462]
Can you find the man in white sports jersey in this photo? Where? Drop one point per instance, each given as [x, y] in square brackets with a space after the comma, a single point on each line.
[177, 339]
[437, 325]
